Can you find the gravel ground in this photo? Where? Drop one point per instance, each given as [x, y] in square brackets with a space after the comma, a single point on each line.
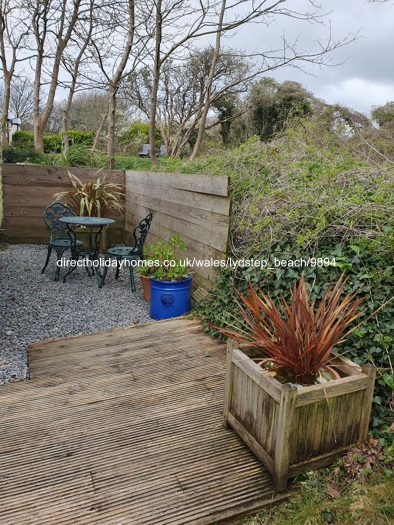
[34, 307]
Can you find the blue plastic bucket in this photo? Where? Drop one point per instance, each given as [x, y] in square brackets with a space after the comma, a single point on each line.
[170, 298]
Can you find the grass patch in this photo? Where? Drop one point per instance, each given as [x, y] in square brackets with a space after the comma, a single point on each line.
[357, 490]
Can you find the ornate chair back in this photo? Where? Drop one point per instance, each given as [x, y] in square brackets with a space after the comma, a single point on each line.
[140, 232]
[51, 216]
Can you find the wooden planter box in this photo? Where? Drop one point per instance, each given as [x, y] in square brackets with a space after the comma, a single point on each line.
[295, 430]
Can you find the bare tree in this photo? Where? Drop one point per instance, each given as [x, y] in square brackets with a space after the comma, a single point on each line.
[21, 100]
[217, 18]
[181, 92]
[72, 61]
[110, 46]
[53, 23]
[13, 38]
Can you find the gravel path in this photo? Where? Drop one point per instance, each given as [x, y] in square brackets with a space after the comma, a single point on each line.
[34, 307]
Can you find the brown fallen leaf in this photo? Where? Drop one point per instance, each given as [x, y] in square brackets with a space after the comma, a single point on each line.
[333, 492]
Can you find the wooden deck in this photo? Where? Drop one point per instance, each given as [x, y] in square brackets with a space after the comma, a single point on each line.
[125, 427]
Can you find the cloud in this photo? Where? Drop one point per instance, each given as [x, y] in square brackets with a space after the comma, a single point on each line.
[357, 93]
[365, 77]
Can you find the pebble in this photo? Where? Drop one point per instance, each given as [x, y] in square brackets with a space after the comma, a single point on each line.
[33, 307]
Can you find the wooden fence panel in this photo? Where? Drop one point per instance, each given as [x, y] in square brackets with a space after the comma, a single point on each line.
[195, 206]
[28, 190]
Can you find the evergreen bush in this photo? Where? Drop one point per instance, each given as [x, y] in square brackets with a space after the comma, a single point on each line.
[23, 140]
[13, 155]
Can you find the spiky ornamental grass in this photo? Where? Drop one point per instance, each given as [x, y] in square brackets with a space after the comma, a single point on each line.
[96, 196]
[297, 338]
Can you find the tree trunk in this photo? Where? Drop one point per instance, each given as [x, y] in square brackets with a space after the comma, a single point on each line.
[65, 132]
[155, 84]
[98, 132]
[208, 95]
[38, 135]
[6, 105]
[111, 126]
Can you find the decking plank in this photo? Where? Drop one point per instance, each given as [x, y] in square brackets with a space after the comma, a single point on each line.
[124, 428]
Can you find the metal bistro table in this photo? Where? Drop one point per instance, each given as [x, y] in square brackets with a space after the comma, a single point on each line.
[92, 253]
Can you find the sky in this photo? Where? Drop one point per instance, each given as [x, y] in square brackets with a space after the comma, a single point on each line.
[364, 74]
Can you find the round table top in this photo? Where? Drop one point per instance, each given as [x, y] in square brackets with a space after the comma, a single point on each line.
[87, 221]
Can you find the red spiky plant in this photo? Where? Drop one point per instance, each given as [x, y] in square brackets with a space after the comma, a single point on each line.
[299, 337]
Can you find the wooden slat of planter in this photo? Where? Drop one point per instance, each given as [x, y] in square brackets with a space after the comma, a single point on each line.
[370, 371]
[283, 438]
[330, 428]
[251, 442]
[316, 463]
[345, 385]
[344, 365]
[228, 385]
[255, 372]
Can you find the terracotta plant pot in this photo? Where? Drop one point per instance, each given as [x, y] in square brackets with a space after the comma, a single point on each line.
[146, 286]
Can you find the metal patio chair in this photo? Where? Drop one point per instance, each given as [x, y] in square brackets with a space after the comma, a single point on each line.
[145, 151]
[59, 239]
[129, 253]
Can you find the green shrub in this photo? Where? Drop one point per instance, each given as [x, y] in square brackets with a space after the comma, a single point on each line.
[52, 143]
[80, 137]
[23, 140]
[80, 155]
[140, 131]
[13, 155]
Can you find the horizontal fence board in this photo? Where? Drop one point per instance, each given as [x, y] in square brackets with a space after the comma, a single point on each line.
[29, 175]
[193, 214]
[195, 183]
[219, 224]
[27, 213]
[214, 203]
[216, 238]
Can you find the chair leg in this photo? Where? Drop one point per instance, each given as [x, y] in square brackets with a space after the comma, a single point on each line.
[118, 259]
[102, 281]
[59, 255]
[47, 260]
[132, 283]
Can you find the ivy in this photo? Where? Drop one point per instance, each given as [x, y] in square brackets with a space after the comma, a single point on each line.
[367, 274]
